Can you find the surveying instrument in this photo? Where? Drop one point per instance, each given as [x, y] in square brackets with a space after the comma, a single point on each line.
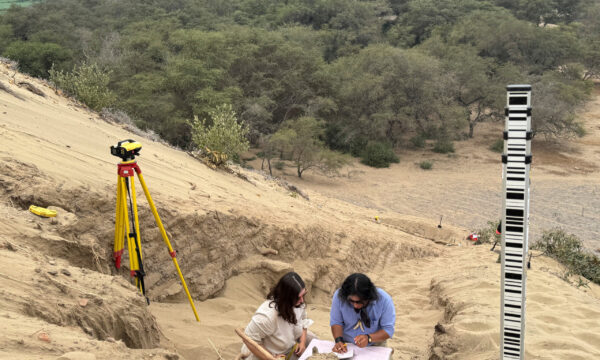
[127, 225]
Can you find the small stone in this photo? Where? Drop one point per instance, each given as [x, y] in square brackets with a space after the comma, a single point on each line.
[83, 302]
[53, 272]
[52, 262]
[38, 270]
[44, 337]
[65, 272]
[110, 339]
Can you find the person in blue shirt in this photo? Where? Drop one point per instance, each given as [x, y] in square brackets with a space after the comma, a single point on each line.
[361, 314]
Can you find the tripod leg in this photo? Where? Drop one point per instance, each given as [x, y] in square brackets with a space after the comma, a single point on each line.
[138, 243]
[118, 244]
[167, 242]
[130, 245]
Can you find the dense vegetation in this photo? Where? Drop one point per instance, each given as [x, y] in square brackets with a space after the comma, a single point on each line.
[374, 75]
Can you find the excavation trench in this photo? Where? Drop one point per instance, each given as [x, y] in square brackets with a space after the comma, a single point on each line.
[212, 247]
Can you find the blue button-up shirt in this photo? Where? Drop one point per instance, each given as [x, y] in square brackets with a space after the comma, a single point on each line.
[381, 312]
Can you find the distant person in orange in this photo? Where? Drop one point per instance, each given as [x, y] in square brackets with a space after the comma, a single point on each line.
[280, 324]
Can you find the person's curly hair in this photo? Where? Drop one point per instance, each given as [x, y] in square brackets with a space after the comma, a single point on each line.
[359, 285]
[284, 296]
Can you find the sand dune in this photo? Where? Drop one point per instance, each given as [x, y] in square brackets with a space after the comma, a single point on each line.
[446, 291]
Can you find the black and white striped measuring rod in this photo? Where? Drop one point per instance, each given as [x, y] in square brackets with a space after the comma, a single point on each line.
[515, 220]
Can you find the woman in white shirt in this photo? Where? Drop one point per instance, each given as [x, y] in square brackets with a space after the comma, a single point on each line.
[280, 323]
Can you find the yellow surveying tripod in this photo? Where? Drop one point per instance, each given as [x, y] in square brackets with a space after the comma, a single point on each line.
[127, 224]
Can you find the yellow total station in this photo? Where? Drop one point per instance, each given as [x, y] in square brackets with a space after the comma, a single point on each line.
[127, 226]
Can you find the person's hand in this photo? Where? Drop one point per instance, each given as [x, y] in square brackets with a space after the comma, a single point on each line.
[300, 348]
[340, 347]
[361, 340]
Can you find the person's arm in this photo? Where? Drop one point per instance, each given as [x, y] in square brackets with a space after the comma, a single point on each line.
[337, 331]
[387, 322]
[260, 327]
[305, 322]
[338, 334]
[378, 336]
[336, 321]
[301, 343]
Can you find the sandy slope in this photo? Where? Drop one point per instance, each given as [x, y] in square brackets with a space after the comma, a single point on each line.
[53, 152]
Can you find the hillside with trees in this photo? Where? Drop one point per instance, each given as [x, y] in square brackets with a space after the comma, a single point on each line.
[361, 77]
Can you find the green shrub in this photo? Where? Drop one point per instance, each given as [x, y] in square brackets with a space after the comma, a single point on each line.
[569, 251]
[497, 146]
[378, 154]
[88, 83]
[357, 146]
[488, 234]
[418, 141]
[225, 135]
[426, 165]
[444, 146]
[279, 165]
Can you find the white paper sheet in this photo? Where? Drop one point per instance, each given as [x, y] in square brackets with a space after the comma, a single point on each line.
[368, 353]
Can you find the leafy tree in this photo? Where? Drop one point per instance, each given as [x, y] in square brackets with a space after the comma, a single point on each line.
[6, 34]
[556, 99]
[589, 35]
[88, 83]
[274, 144]
[36, 58]
[221, 133]
[385, 94]
[545, 11]
[478, 84]
[421, 17]
[498, 35]
[302, 137]
[279, 79]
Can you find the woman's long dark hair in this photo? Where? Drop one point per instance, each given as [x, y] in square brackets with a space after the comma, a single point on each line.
[359, 285]
[284, 296]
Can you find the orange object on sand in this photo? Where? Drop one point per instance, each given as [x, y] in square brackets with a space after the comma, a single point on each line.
[44, 337]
